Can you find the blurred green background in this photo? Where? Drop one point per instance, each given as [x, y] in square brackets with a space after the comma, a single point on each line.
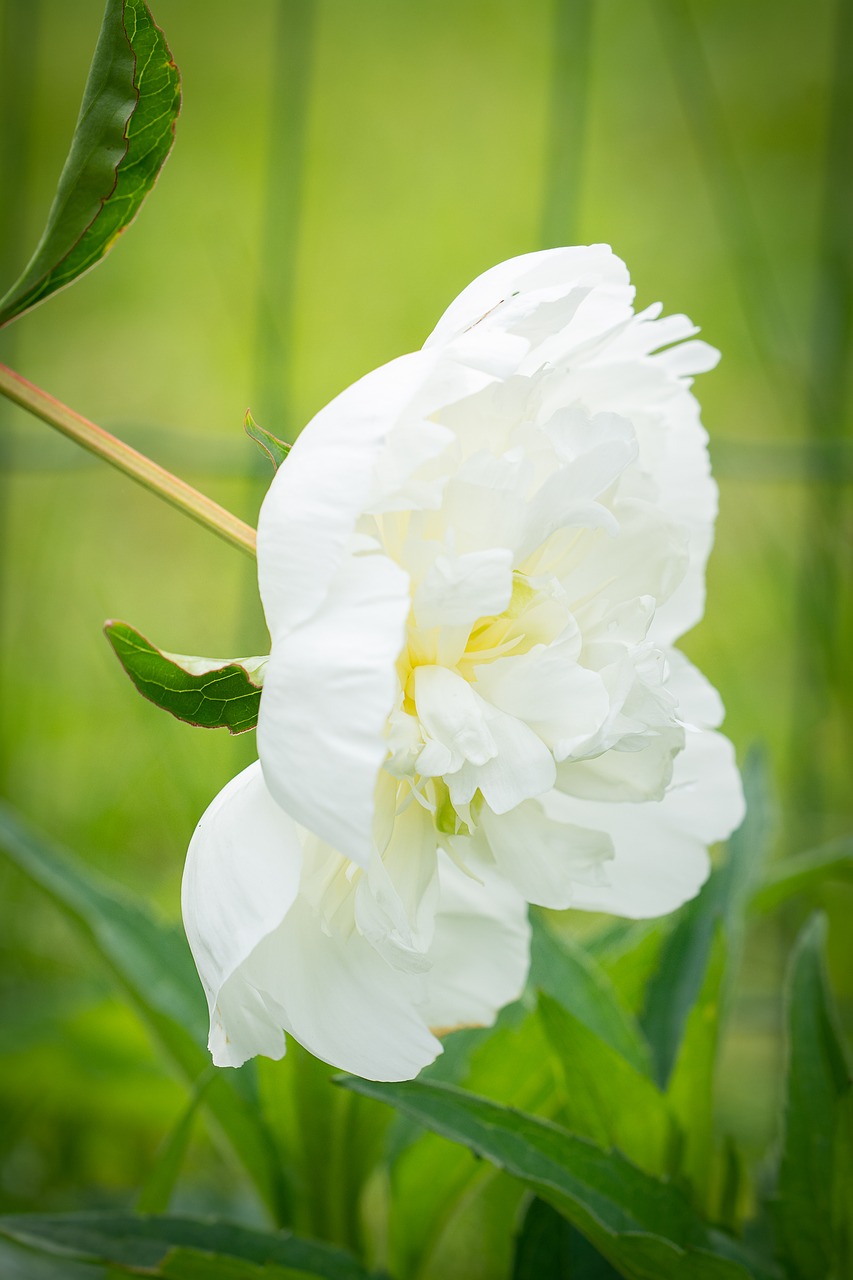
[341, 171]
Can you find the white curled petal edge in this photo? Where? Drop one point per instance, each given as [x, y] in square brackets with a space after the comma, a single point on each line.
[240, 881]
[552, 272]
[268, 966]
[661, 846]
[480, 952]
[328, 692]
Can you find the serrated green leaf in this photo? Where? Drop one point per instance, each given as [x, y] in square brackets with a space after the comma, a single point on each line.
[210, 693]
[19, 1262]
[811, 1218]
[123, 135]
[604, 1097]
[275, 449]
[567, 973]
[644, 1226]
[433, 1181]
[179, 1248]
[803, 874]
[152, 963]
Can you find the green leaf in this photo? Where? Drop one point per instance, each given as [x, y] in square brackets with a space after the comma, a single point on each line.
[211, 693]
[275, 449]
[434, 1183]
[161, 1181]
[543, 1247]
[804, 874]
[123, 135]
[811, 1218]
[690, 1092]
[605, 1098]
[644, 1226]
[152, 963]
[678, 982]
[179, 1248]
[567, 973]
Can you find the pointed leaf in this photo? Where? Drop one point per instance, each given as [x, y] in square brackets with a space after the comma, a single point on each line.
[677, 984]
[275, 449]
[810, 1215]
[123, 135]
[644, 1226]
[153, 965]
[179, 1248]
[210, 693]
[567, 973]
[433, 1181]
[161, 1181]
[543, 1246]
[803, 874]
[604, 1098]
[690, 1092]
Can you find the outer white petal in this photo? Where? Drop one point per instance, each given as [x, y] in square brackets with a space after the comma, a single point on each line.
[481, 949]
[347, 460]
[699, 704]
[329, 689]
[624, 776]
[342, 1001]
[554, 270]
[661, 846]
[269, 966]
[689, 494]
[544, 859]
[240, 881]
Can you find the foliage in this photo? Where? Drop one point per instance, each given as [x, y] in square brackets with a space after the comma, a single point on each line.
[123, 135]
[205, 692]
[611, 1159]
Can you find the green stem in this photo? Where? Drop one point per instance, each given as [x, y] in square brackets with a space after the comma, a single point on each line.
[823, 688]
[572, 40]
[132, 463]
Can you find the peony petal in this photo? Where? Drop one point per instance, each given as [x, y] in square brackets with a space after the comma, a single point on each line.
[552, 271]
[339, 998]
[240, 881]
[481, 950]
[522, 767]
[395, 902]
[544, 858]
[625, 776]
[699, 704]
[561, 701]
[348, 460]
[330, 687]
[661, 846]
[454, 719]
[458, 590]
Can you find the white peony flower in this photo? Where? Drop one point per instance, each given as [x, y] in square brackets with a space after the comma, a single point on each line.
[474, 565]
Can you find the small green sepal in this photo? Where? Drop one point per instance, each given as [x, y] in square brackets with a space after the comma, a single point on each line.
[275, 449]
